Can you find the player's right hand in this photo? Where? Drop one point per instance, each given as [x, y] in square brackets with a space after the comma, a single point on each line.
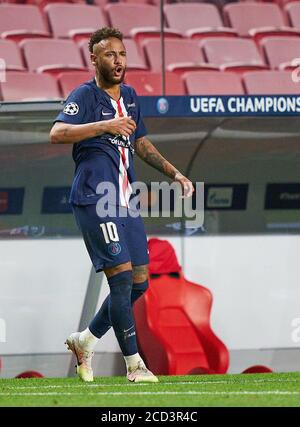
[121, 126]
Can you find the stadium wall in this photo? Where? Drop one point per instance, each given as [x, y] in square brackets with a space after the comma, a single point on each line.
[254, 281]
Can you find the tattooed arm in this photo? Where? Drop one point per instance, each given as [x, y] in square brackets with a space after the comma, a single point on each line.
[147, 152]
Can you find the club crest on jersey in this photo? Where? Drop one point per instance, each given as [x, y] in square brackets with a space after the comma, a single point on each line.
[71, 109]
[114, 248]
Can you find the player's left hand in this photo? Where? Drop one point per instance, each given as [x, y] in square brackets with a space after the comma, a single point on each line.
[186, 184]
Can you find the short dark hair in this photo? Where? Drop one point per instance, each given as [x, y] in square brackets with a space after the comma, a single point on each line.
[102, 34]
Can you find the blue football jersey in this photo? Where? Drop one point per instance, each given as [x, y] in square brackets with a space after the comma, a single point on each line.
[103, 158]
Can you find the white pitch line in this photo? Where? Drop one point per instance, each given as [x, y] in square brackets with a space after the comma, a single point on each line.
[244, 382]
[166, 393]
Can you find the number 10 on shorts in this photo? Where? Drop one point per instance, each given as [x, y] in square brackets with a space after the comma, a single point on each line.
[110, 232]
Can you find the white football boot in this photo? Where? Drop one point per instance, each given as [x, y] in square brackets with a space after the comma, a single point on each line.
[84, 358]
[140, 373]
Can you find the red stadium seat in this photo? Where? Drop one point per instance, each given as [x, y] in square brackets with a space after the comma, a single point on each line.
[270, 83]
[125, 17]
[173, 320]
[234, 54]
[18, 21]
[150, 84]
[30, 374]
[101, 3]
[28, 87]
[42, 3]
[53, 56]
[139, 21]
[293, 12]
[180, 55]
[196, 20]
[155, 2]
[135, 59]
[139, 1]
[281, 51]
[257, 369]
[68, 81]
[257, 20]
[213, 83]
[282, 3]
[84, 47]
[74, 20]
[11, 55]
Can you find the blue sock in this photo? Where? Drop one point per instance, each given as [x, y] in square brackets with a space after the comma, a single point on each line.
[102, 322]
[120, 311]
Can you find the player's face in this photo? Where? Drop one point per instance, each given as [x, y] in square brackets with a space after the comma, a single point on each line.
[109, 59]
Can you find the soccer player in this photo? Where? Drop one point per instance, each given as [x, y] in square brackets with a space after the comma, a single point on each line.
[102, 120]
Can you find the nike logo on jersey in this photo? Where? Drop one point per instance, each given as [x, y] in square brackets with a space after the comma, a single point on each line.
[126, 330]
[104, 113]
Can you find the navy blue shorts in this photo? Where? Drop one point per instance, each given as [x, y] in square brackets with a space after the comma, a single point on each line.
[112, 241]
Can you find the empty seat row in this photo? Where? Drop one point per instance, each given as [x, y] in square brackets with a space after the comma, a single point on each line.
[42, 3]
[53, 56]
[28, 86]
[261, 19]
[215, 83]
[213, 53]
[195, 20]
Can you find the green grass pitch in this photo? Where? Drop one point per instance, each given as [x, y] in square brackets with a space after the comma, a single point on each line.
[282, 390]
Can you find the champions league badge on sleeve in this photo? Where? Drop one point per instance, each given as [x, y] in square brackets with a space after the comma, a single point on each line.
[162, 105]
[114, 248]
[71, 109]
